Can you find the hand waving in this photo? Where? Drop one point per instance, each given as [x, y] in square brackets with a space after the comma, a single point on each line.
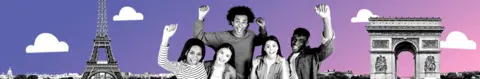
[323, 10]
[202, 11]
[261, 22]
[169, 30]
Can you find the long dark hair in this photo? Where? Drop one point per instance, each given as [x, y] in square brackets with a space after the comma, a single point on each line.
[232, 57]
[186, 48]
[273, 38]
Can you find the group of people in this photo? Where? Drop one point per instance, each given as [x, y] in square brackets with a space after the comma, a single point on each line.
[234, 49]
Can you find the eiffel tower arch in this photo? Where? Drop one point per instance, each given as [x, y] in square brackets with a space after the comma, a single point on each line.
[391, 35]
[108, 69]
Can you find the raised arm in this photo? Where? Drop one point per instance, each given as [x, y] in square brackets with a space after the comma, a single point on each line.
[326, 48]
[259, 39]
[324, 11]
[209, 38]
[163, 61]
[253, 74]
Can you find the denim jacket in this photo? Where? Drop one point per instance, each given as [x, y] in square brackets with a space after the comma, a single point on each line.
[278, 70]
[228, 73]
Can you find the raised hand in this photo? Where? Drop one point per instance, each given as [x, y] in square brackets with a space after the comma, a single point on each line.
[323, 10]
[255, 63]
[202, 11]
[169, 30]
[261, 22]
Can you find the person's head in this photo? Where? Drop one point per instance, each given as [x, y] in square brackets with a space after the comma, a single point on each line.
[271, 47]
[299, 39]
[225, 54]
[193, 51]
[240, 17]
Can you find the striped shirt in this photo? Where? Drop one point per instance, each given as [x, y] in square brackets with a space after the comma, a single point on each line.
[181, 70]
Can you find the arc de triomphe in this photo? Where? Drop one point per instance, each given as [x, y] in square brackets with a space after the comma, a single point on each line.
[390, 36]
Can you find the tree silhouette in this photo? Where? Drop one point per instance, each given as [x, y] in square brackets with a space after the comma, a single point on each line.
[173, 77]
[21, 76]
[340, 75]
[452, 76]
[67, 78]
[133, 78]
[32, 77]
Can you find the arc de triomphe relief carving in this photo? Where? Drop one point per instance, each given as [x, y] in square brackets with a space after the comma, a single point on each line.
[391, 35]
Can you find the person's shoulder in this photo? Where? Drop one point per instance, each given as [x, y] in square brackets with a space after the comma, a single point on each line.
[209, 62]
[224, 32]
[281, 59]
[250, 32]
[230, 67]
[309, 49]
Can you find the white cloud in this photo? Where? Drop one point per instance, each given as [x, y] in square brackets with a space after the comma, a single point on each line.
[127, 13]
[363, 15]
[458, 40]
[47, 43]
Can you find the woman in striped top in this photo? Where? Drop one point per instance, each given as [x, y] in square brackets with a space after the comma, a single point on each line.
[190, 64]
[271, 64]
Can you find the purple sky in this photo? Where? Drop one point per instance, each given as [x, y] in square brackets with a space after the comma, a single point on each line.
[136, 43]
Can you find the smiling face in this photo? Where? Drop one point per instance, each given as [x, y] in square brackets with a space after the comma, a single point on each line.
[194, 55]
[223, 55]
[298, 43]
[239, 24]
[271, 48]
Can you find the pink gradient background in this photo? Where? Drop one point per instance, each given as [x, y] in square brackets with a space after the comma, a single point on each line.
[136, 44]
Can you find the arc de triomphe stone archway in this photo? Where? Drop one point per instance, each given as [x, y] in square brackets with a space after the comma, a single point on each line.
[390, 36]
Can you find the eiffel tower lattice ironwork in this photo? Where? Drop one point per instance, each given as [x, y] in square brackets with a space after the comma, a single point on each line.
[102, 41]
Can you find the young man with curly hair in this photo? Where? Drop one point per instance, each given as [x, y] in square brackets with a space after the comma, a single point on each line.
[242, 39]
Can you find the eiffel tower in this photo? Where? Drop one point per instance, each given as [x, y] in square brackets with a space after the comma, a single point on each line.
[102, 41]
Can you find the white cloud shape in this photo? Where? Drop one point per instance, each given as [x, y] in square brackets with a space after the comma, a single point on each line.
[363, 15]
[47, 43]
[458, 40]
[127, 13]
